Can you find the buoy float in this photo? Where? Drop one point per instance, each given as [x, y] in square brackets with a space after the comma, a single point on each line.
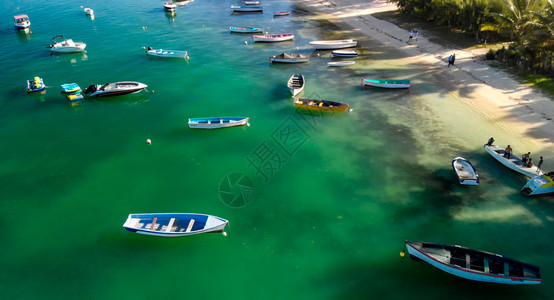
[402, 254]
[248, 124]
[148, 141]
[224, 233]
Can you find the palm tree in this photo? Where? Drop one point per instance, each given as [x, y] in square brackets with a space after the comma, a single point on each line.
[517, 19]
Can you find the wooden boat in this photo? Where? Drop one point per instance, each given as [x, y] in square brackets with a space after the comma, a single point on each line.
[63, 45]
[281, 13]
[289, 58]
[340, 63]
[296, 84]
[170, 6]
[539, 185]
[72, 91]
[333, 44]
[174, 224]
[273, 37]
[89, 11]
[246, 29]
[321, 105]
[345, 53]
[387, 83]
[115, 89]
[21, 22]
[217, 122]
[514, 163]
[467, 175]
[247, 8]
[252, 2]
[167, 53]
[35, 85]
[474, 264]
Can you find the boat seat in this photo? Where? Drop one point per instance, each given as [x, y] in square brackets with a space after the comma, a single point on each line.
[70, 43]
[189, 228]
[170, 225]
[134, 223]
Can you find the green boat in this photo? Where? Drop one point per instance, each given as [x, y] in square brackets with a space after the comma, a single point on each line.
[387, 83]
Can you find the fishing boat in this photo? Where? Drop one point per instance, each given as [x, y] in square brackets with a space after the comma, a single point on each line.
[345, 53]
[333, 44]
[72, 91]
[252, 2]
[289, 58]
[167, 53]
[321, 105]
[465, 171]
[170, 6]
[217, 122]
[296, 84]
[340, 63]
[514, 162]
[474, 264]
[246, 29]
[246, 8]
[21, 22]
[115, 89]
[387, 83]
[281, 13]
[273, 37]
[89, 11]
[63, 45]
[35, 85]
[174, 224]
[539, 185]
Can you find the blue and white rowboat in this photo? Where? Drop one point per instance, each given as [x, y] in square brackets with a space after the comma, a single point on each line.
[345, 53]
[167, 53]
[249, 8]
[217, 122]
[246, 29]
[174, 224]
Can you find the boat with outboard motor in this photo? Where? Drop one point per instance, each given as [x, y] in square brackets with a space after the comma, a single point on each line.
[170, 6]
[35, 85]
[539, 185]
[514, 162]
[63, 45]
[21, 22]
[167, 53]
[115, 89]
[89, 11]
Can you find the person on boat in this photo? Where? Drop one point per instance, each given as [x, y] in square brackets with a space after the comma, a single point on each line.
[539, 165]
[529, 163]
[491, 140]
[508, 152]
[525, 157]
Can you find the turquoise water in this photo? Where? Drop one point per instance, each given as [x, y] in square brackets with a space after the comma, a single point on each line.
[324, 217]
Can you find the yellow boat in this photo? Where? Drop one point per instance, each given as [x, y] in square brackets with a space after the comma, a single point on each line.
[321, 105]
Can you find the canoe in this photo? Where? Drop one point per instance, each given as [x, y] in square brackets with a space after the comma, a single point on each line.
[35, 85]
[465, 171]
[281, 13]
[246, 29]
[167, 53]
[345, 53]
[340, 63]
[289, 58]
[273, 37]
[387, 83]
[296, 84]
[474, 264]
[217, 122]
[115, 89]
[174, 224]
[539, 185]
[514, 163]
[320, 105]
[333, 44]
[248, 8]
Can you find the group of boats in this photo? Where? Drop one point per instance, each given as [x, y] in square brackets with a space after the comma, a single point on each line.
[254, 6]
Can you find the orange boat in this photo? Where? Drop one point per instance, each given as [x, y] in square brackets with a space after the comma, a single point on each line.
[321, 105]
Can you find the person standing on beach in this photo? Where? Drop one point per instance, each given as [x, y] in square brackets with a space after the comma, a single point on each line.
[417, 35]
[453, 58]
[450, 61]
[411, 36]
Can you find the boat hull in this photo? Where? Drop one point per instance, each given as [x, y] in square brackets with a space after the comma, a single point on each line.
[539, 185]
[174, 224]
[235, 8]
[289, 58]
[79, 47]
[344, 53]
[514, 163]
[246, 30]
[465, 171]
[271, 38]
[218, 122]
[320, 105]
[333, 44]
[387, 83]
[117, 89]
[340, 63]
[167, 53]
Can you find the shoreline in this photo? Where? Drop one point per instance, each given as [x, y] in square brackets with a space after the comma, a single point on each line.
[526, 113]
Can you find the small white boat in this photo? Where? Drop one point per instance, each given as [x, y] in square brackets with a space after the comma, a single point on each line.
[345, 53]
[21, 22]
[467, 175]
[387, 83]
[514, 162]
[273, 37]
[115, 89]
[247, 8]
[296, 84]
[340, 63]
[167, 53]
[289, 58]
[89, 11]
[170, 6]
[474, 264]
[252, 2]
[63, 45]
[217, 122]
[174, 224]
[333, 44]
[539, 185]
[246, 29]
[281, 13]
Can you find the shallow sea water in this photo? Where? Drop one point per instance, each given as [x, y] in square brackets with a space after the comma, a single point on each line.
[319, 204]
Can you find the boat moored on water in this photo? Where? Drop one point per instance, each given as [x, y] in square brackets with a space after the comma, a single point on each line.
[167, 53]
[474, 264]
[289, 58]
[174, 224]
[514, 162]
[115, 89]
[320, 105]
[89, 11]
[252, 2]
[343, 63]
[465, 171]
[296, 84]
[273, 37]
[63, 45]
[35, 85]
[21, 22]
[246, 29]
[281, 13]
[539, 185]
[246, 8]
[333, 44]
[387, 83]
[344, 53]
[217, 122]
[170, 6]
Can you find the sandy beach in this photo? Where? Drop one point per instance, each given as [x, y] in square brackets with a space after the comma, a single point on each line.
[524, 113]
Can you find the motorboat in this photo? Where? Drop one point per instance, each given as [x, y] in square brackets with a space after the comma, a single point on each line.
[343, 63]
[115, 89]
[320, 105]
[344, 53]
[72, 91]
[273, 37]
[474, 264]
[217, 122]
[539, 185]
[21, 22]
[289, 58]
[387, 83]
[465, 171]
[167, 53]
[35, 85]
[63, 45]
[246, 29]
[281, 13]
[333, 44]
[514, 162]
[246, 8]
[89, 11]
[170, 6]
[174, 224]
[296, 84]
